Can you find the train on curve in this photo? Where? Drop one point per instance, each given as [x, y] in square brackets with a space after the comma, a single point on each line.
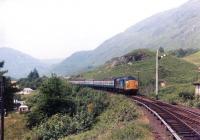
[127, 85]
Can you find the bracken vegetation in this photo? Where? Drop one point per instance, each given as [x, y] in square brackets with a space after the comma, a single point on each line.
[122, 120]
[60, 109]
[177, 73]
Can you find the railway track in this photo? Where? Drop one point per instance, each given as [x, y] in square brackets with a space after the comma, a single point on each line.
[183, 124]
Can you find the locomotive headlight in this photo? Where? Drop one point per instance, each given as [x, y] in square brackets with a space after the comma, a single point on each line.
[127, 84]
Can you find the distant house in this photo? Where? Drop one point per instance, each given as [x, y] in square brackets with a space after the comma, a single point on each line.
[162, 83]
[20, 106]
[23, 109]
[19, 102]
[14, 84]
[26, 91]
[67, 77]
[197, 88]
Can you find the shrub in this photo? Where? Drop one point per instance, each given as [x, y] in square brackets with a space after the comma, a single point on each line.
[61, 109]
[56, 127]
[197, 105]
[186, 95]
[129, 133]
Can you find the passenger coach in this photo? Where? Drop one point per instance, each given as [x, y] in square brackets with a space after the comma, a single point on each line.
[128, 85]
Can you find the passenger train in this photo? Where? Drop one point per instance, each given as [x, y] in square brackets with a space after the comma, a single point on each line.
[127, 85]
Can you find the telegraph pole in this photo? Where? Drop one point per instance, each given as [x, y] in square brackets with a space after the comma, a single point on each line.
[2, 86]
[157, 75]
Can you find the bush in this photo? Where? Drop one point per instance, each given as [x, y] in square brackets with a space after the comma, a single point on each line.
[127, 133]
[34, 118]
[186, 95]
[56, 127]
[197, 105]
[60, 109]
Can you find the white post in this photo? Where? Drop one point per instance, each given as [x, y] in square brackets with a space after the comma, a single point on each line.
[157, 75]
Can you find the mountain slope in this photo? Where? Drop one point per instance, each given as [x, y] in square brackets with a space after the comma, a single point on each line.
[171, 68]
[177, 73]
[193, 58]
[177, 28]
[19, 64]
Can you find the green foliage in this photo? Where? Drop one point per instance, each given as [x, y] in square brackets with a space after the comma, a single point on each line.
[33, 75]
[120, 118]
[53, 87]
[183, 52]
[161, 50]
[61, 109]
[197, 104]
[55, 127]
[193, 58]
[32, 81]
[186, 95]
[9, 94]
[176, 72]
[9, 90]
[128, 133]
[15, 127]
[1, 64]
[35, 117]
[172, 70]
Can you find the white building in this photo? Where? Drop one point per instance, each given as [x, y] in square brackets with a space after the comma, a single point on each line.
[25, 91]
[19, 102]
[197, 88]
[23, 108]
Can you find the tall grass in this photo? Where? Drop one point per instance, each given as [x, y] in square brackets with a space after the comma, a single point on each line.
[120, 121]
[15, 127]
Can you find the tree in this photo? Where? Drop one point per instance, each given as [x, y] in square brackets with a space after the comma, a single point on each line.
[33, 75]
[1, 66]
[33, 80]
[161, 50]
[50, 100]
[9, 90]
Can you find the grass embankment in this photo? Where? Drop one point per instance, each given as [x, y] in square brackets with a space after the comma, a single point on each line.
[15, 127]
[171, 69]
[176, 72]
[193, 58]
[120, 121]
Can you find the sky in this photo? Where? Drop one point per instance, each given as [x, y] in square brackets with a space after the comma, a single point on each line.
[48, 29]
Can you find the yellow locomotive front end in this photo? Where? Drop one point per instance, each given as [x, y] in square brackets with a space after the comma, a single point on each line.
[128, 85]
[131, 85]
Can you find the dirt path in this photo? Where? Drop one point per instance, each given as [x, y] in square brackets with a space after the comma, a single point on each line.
[158, 130]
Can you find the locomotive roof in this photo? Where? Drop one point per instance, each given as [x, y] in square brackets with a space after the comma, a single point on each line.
[126, 78]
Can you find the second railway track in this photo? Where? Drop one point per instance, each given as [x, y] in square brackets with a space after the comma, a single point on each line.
[182, 123]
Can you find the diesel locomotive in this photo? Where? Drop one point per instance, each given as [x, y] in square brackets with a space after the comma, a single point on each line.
[127, 85]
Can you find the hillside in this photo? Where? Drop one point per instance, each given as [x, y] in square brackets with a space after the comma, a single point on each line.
[193, 58]
[176, 28]
[113, 127]
[19, 64]
[173, 70]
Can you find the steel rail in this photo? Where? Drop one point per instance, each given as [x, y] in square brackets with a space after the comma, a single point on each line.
[179, 130]
[174, 134]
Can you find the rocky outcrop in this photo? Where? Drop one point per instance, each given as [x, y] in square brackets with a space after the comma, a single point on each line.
[130, 58]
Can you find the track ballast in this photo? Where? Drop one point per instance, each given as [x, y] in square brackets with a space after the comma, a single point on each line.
[183, 124]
